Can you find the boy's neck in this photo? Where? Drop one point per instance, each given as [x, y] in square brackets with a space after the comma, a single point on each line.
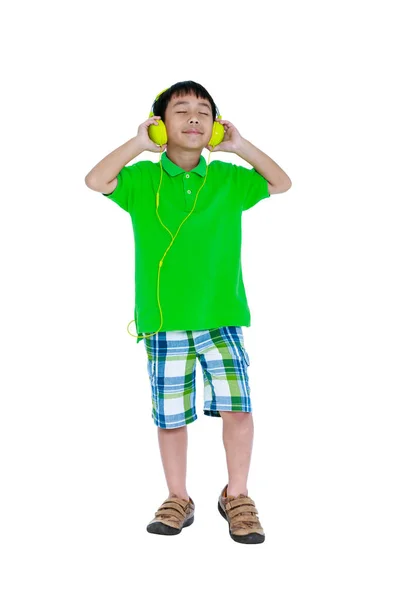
[185, 159]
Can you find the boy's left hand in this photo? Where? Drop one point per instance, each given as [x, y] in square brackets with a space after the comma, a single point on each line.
[232, 138]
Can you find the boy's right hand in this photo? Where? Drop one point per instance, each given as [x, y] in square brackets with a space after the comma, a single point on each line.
[144, 138]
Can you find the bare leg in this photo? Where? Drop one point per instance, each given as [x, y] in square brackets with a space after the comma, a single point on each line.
[173, 449]
[238, 433]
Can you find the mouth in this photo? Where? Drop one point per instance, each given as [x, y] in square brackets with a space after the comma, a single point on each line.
[192, 132]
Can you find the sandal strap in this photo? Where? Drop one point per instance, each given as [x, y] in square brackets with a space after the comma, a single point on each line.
[244, 519]
[242, 513]
[172, 508]
[177, 500]
[247, 510]
[239, 502]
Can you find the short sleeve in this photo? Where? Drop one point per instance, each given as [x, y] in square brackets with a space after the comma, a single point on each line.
[127, 188]
[252, 186]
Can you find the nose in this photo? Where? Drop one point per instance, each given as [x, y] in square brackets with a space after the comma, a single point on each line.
[194, 120]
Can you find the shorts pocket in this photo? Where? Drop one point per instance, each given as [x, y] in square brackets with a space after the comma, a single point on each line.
[245, 355]
[150, 369]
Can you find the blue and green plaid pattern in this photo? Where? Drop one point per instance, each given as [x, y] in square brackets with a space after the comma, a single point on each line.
[171, 368]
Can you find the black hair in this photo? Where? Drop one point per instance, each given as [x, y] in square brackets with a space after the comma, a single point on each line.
[181, 89]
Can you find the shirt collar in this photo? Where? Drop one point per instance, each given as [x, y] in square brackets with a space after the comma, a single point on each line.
[172, 169]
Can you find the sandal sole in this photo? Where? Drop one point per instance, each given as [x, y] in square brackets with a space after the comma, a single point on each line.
[163, 529]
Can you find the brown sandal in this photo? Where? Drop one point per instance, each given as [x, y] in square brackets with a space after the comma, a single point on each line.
[173, 515]
[241, 513]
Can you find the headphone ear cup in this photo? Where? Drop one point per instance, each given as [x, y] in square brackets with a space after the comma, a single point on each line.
[217, 134]
[158, 133]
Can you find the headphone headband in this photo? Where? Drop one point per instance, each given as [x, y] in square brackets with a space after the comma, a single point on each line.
[156, 98]
[164, 90]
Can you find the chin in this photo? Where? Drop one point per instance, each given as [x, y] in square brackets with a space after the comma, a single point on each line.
[198, 147]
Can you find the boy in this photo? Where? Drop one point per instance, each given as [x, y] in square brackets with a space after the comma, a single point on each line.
[203, 297]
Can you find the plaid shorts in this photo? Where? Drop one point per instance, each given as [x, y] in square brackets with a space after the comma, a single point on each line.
[171, 367]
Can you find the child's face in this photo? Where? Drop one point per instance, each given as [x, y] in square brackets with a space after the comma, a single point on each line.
[196, 113]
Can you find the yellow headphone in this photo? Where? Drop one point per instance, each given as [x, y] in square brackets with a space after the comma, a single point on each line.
[158, 134]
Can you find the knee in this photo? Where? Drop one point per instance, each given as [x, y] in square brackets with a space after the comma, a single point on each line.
[236, 417]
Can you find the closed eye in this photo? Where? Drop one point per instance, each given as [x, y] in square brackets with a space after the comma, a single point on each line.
[183, 111]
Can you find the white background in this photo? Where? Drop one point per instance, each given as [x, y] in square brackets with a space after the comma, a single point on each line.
[314, 86]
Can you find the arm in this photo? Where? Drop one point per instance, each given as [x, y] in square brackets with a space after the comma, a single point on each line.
[277, 179]
[103, 176]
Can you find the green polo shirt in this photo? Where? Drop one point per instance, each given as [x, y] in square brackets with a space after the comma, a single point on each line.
[201, 283]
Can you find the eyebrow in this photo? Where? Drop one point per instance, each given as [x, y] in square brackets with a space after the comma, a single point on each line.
[186, 102]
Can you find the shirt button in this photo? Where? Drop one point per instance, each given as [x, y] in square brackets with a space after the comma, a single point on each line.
[189, 192]
[187, 176]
